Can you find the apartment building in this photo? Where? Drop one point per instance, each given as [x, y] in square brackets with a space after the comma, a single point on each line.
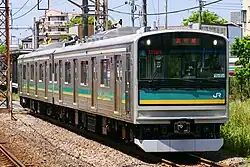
[245, 14]
[55, 22]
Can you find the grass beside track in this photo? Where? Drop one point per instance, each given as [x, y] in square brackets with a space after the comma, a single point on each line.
[236, 132]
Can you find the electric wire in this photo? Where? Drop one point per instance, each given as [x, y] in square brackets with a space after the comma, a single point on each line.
[27, 11]
[163, 13]
[21, 7]
[119, 6]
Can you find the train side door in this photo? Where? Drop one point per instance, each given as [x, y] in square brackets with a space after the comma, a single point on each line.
[75, 81]
[60, 80]
[117, 85]
[46, 79]
[36, 78]
[94, 82]
[24, 78]
[20, 84]
[28, 78]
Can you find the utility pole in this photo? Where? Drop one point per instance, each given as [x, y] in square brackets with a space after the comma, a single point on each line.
[200, 16]
[166, 19]
[133, 12]
[101, 15]
[85, 10]
[5, 70]
[144, 8]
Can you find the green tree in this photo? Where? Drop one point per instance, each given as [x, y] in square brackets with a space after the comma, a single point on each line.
[207, 18]
[240, 48]
[2, 49]
[91, 19]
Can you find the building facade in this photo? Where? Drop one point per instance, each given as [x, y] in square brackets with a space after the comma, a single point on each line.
[55, 22]
[245, 17]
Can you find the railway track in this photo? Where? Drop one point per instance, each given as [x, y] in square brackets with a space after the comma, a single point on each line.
[131, 149]
[8, 159]
[196, 159]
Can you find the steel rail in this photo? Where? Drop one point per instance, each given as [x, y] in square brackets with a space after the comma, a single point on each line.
[11, 157]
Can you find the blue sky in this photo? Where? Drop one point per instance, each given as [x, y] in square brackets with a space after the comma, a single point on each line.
[223, 9]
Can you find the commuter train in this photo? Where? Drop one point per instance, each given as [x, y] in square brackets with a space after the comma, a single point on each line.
[163, 91]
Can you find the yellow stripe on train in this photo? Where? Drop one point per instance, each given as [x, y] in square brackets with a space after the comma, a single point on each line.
[182, 101]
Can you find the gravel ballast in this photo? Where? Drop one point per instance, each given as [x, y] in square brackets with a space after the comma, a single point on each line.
[39, 143]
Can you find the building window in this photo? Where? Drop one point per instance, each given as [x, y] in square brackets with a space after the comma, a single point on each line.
[56, 66]
[105, 72]
[67, 72]
[41, 72]
[50, 71]
[243, 16]
[84, 72]
[24, 71]
[32, 70]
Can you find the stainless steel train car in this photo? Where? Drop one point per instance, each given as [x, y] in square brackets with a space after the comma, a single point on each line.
[164, 91]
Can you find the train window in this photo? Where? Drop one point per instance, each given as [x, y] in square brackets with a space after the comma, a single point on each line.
[24, 71]
[56, 66]
[41, 72]
[84, 72]
[50, 71]
[45, 70]
[32, 71]
[105, 72]
[118, 70]
[67, 72]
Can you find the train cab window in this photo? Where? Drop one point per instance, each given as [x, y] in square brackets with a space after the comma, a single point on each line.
[32, 72]
[41, 72]
[56, 67]
[84, 72]
[105, 73]
[24, 71]
[67, 72]
[50, 71]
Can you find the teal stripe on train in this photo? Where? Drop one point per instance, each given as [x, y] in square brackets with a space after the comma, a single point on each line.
[182, 94]
[102, 95]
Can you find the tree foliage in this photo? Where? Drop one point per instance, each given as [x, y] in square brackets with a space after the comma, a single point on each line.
[2, 49]
[78, 20]
[207, 18]
[241, 49]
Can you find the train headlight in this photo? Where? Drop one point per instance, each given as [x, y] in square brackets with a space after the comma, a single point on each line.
[148, 42]
[215, 42]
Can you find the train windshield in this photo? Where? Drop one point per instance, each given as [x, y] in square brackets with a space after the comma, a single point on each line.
[182, 61]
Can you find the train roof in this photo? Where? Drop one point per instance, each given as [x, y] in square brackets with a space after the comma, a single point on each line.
[108, 42]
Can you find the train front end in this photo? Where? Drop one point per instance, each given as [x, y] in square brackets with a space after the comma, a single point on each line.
[181, 91]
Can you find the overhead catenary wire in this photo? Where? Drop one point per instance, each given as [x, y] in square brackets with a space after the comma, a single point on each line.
[21, 7]
[27, 11]
[171, 12]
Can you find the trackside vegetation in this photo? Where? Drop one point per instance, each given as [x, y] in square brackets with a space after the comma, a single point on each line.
[236, 132]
